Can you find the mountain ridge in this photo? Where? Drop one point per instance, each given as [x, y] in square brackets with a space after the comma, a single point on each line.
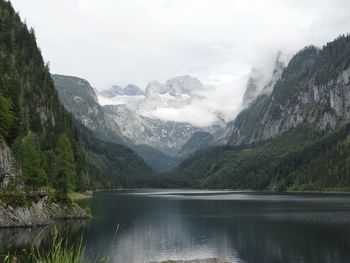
[295, 138]
[79, 98]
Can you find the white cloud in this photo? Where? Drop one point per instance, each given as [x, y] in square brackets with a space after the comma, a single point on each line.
[135, 41]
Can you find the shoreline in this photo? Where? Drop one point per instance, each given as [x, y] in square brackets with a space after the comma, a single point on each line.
[37, 213]
[226, 190]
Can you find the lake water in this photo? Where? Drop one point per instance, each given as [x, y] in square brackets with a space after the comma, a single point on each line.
[132, 227]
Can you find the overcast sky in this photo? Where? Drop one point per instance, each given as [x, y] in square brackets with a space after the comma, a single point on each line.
[218, 41]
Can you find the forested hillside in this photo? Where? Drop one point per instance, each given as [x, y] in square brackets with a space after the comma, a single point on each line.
[79, 98]
[40, 144]
[296, 138]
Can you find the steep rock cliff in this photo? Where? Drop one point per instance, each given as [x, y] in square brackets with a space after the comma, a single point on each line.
[8, 172]
[310, 92]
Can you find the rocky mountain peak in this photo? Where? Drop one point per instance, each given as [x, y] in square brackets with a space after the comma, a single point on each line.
[252, 87]
[177, 86]
[155, 88]
[129, 90]
[82, 88]
[184, 85]
[260, 83]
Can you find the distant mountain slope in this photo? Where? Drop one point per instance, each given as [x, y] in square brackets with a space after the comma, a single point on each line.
[313, 89]
[113, 164]
[141, 118]
[78, 97]
[296, 138]
[198, 140]
[166, 136]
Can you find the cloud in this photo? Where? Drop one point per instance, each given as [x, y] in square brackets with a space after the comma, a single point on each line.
[119, 42]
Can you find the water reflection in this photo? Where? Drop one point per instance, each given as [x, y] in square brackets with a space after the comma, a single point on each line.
[12, 239]
[241, 227]
[17, 240]
[138, 227]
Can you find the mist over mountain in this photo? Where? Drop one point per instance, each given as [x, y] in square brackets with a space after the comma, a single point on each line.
[147, 119]
[175, 131]
[294, 137]
[262, 82]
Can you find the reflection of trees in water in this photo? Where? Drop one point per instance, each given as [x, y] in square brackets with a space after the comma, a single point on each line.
[16, 239]
[242, 231]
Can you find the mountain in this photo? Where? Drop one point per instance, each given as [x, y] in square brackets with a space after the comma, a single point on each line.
[126, 122]
[259, 84]
[303, 95]
[294, 138]
[129, 90]
[175, 87]
[167, 136]
[197, 141]
[139, 122]
[114, 164]
[40, 143]
[79, 98]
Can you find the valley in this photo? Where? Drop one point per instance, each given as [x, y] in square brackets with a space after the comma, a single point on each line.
[154, 135]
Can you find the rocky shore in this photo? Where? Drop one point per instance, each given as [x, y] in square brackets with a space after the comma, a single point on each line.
[38, 214]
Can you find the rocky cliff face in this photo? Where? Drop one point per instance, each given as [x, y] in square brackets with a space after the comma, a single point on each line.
[167, 136]
[125, 113]
[78, 97]
[139, 120]
[309, 92]
[129, 90]
[260, 82]
[38, 214]
[8, 172]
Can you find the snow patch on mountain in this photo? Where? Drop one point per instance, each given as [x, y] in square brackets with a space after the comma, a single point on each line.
[180, 99]
[167, 114]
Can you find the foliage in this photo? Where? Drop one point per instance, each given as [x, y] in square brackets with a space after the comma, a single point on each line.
[60, 250]
[6, 116]
[113, 165]
[198, 140]
[301, 159]
[48, 147]
[29, 155]
[64, 172]
[17, 199]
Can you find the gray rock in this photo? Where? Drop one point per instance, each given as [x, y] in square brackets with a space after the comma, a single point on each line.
[8, 172]
[325, 106]
[38, 214]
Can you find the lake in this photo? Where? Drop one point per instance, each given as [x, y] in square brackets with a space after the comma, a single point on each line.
[142, 226]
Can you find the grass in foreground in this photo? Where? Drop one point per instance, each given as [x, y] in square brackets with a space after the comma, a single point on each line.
[59, 252]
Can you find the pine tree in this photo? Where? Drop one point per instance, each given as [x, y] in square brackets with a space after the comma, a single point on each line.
[64, 165]
[6, 116]
[30, 157]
